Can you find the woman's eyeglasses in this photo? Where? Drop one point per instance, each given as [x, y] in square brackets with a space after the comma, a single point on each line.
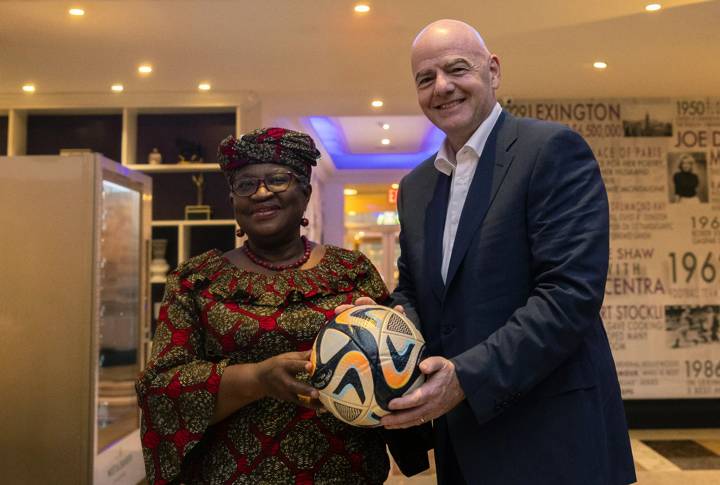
[273, 182]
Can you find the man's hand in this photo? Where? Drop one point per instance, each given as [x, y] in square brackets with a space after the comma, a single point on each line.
[364, 300]
[439, 394]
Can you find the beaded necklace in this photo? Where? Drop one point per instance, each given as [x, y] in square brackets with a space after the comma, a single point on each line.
[278, 267]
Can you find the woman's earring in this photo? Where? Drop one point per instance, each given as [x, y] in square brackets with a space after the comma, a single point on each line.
[240, 232]
[304, 222]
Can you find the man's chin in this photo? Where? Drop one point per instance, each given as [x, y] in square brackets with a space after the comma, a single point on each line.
[452, 126]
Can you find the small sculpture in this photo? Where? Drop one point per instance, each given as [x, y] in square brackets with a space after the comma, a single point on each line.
[199, 181]
[189, 151]
[199, 210]
[159, 265]
[155, 157]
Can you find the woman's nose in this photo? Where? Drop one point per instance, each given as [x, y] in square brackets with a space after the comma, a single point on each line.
[262, 192]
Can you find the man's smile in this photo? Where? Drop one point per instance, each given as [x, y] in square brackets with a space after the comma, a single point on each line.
[449, 105]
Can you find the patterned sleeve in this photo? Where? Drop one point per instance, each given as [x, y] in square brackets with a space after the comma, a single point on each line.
[369, 282]
[178, 389]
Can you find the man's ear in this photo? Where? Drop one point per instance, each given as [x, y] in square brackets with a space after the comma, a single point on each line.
[495, 73]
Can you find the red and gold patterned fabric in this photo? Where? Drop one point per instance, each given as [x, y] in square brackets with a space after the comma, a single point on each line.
[214, 315]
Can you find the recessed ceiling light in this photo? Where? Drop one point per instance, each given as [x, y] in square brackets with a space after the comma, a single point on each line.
[362, 8]
[377, 103]
[395, 186]
[145, 69]
[204, 86]
[653, 7]
[117, 88]
[385, 141]
[28, 88]
[76, 12]
[350, 191]
[600, 65]
[386, 126]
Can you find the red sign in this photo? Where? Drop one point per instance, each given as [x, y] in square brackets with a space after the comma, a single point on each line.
[392, 196]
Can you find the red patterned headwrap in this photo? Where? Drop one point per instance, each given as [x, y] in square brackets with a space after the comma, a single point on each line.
[269, 145]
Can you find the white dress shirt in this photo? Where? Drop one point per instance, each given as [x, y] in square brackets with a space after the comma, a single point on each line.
[461, 167]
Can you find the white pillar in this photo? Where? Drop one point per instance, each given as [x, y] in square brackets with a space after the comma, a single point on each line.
[17, 132]
[128, 148]
[333, 207]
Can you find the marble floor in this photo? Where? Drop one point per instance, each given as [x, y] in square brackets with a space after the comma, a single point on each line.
[662, 457]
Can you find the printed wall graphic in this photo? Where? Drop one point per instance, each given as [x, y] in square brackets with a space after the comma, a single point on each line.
[660, 160]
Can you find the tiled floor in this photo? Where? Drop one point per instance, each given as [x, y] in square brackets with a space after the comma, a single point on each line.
[662, 457]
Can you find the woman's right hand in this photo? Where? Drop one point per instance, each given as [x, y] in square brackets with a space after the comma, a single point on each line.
[276, 378]
[365, 300]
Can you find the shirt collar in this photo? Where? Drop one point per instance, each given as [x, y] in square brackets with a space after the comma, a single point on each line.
[445, 160]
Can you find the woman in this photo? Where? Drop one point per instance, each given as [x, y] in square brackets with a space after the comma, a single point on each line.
[221, 397]
[685, 180]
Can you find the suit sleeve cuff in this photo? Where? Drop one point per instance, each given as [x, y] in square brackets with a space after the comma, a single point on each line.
[485, 397]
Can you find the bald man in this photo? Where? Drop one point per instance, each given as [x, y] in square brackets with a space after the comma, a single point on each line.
[504, 254]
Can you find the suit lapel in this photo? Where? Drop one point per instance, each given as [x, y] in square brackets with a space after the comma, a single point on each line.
[434, 227]
[489, 174]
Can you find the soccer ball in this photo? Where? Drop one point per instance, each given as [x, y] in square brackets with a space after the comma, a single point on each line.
[362, 359]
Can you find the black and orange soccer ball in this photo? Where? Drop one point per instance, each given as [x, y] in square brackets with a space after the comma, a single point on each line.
[362, 359]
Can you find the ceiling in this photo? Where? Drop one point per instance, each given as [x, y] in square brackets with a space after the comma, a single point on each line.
[319, 58]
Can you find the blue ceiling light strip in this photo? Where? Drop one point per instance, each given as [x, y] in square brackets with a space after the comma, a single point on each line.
[333, 139]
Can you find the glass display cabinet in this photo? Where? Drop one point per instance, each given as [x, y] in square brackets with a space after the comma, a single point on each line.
[74, 318]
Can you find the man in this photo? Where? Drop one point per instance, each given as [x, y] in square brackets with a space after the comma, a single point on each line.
[504, 254]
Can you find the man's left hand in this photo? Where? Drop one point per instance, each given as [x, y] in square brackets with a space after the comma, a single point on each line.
[439, 394]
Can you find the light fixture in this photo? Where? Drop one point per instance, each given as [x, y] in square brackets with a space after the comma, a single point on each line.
[377, 103]
[76, 12]
[350, 191]
[28, 88]
[653, 7]
[386, 126]
[117, 88]
[600, 65]
[145, 69]
[352, 213]
[362, 8]
[204, 86]
[395, 186]
[385, 141]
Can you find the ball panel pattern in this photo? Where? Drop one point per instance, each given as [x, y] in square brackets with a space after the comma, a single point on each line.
[364, 358]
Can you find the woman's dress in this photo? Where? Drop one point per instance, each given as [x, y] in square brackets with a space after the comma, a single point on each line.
[214, 315]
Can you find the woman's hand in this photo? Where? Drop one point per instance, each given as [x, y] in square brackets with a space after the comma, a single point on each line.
[364, 300]
[242, 384]
[277, 378]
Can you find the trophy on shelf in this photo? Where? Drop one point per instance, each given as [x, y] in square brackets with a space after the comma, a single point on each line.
[155, 157]
[159, 265]
[199, 210]
[189, 151]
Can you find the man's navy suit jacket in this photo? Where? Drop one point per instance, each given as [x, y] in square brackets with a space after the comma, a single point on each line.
[519, 312]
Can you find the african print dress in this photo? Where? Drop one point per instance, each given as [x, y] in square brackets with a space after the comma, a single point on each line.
[214, 315]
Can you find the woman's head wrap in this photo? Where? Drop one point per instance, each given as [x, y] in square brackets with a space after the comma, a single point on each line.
[269, 145]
